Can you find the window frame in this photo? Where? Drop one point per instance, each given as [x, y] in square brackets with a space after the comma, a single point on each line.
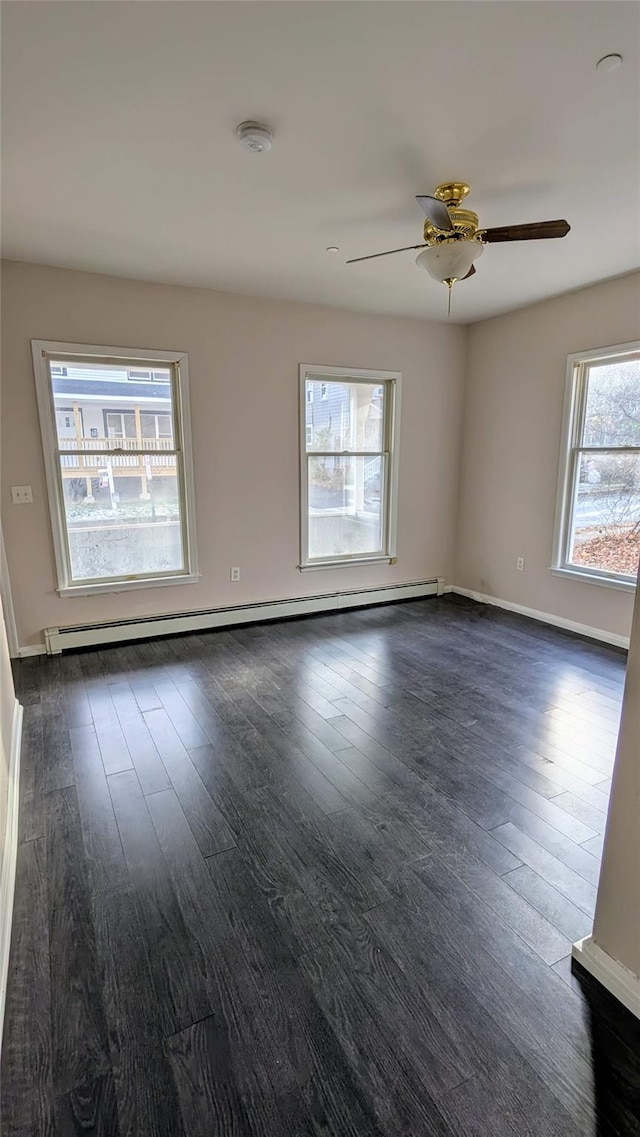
[391, 381]
[571, 448]
[44, 351]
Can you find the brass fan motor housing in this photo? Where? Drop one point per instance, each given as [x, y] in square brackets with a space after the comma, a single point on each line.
[464, 221]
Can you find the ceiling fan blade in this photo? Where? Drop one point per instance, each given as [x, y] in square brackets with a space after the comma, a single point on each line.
[470, 273]
[436, 211]
[536, 231]
[372, 256]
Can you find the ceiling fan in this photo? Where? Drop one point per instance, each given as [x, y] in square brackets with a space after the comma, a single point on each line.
[452, 239]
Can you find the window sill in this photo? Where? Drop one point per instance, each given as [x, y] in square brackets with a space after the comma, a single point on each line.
[595, 578]
[127, 585]
[385, 560]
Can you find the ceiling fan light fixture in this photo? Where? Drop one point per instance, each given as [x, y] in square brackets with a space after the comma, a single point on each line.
[450, 260]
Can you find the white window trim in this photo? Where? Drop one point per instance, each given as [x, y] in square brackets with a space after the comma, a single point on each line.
[390, 445]
[574, 394]
[41, 349]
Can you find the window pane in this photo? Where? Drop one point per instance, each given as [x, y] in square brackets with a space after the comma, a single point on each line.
[613, 404]
[345, 506]
[606, 513]
[344, 416]
[122, 519]
[96, 402]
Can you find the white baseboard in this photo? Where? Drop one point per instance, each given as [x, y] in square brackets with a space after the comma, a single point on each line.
[9, 857]
[617, 979]
[547, 618]
[148, 627]
[532, 613]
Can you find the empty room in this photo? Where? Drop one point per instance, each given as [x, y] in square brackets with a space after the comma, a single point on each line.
[320, 503]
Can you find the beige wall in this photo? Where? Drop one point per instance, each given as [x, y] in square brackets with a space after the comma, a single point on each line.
[513, 413]
[243, 367]
[616, 927]
[243, 357]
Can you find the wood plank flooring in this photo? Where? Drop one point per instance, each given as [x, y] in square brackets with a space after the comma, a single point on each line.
[318, 877]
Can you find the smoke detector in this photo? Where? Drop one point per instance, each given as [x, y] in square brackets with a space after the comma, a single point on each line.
[609, 62]
[254, 136]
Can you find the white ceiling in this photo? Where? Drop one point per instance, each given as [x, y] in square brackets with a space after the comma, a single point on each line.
[119, 154]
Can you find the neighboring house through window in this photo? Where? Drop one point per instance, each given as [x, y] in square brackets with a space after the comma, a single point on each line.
[598, 513]
[117, 449]
[349, 465]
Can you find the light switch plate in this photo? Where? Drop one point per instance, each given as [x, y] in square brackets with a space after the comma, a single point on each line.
[21, 495]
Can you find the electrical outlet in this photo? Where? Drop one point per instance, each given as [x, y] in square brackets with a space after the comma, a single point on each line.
[235, 573]
[21, 495]
[520, 564]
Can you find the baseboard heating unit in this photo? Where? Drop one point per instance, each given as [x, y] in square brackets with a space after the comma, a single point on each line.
[176, 623]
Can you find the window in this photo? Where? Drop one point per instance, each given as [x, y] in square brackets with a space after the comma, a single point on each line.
[598, 516]
[120, 424]
[349, 465]
[149, 376]
[118, 467]
[156, 426]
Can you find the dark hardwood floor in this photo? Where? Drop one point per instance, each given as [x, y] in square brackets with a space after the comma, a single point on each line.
[319, 877]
